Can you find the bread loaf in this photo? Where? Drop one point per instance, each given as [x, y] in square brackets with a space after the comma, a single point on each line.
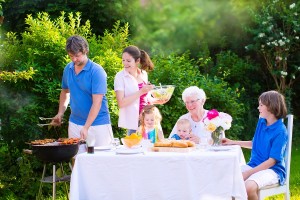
[180, 144]
[174, 143]
[163, 143]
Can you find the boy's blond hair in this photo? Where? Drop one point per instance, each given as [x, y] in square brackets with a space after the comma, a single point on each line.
[183, 122]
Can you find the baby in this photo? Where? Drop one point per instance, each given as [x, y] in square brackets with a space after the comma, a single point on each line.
[184, 129]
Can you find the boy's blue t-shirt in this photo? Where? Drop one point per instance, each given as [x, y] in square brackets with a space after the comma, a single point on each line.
[91, 80]
[270, 142]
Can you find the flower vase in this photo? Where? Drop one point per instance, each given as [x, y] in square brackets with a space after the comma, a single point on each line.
[217, 136]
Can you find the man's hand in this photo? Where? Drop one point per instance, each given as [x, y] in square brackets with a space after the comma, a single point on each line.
[83, 133]
[57, 120]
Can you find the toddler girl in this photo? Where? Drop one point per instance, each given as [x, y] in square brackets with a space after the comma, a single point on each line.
[150, 127]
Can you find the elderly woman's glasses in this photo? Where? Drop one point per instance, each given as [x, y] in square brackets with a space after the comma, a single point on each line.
[191, 102]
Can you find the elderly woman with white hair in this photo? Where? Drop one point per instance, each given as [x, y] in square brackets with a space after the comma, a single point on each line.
[194, 99]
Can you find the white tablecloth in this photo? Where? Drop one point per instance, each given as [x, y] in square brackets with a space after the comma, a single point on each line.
[197, 175]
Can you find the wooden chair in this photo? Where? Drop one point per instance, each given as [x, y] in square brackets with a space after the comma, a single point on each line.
[276, 188]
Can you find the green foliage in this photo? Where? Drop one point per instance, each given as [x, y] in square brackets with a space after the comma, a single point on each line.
[233, 70]
[1, 11]
[276, 37]
[17, 174]
[14, 76]
[103, 14]
[171, 25]
[184, 72]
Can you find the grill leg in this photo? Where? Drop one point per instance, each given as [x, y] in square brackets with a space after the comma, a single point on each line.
[54, 184]
[70, 165]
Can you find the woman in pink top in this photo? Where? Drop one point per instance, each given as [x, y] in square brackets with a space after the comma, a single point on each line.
[131, 86]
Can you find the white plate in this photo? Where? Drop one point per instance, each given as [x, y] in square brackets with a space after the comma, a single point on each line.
[103, 148]
[129, 151]
[219, 148]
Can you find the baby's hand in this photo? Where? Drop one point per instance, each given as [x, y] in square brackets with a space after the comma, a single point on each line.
[184, 136]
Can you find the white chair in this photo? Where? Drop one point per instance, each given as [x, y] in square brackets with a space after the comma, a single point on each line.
[276, 188]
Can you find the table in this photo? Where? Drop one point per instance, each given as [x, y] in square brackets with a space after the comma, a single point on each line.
[198, 175]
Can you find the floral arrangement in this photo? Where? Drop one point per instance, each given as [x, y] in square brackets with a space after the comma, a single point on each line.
[216, 122]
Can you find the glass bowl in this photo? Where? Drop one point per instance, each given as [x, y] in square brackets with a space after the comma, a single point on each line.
[163, 92]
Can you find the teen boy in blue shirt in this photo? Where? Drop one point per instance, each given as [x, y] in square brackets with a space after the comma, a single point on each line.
[266, 165]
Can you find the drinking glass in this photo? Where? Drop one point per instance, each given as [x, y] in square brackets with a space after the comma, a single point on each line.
[116, 143]
[90, 143]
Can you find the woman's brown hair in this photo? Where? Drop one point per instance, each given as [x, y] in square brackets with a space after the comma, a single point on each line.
[275, 103]
[136, 53]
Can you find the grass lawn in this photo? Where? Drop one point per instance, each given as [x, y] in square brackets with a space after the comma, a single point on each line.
[294, 177]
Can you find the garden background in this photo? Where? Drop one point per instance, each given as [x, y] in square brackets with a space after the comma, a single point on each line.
[233, 49]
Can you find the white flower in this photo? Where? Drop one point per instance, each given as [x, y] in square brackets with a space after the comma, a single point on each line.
[293, 77]
[261, 35]
[283, 73]
[292, 6]
[268, 43]
[281, 43]
[298, 68]
[281, 33]
[278, 58]
[275, 43]
[297, 37]
[270, 28]
[223, 120]
[295, 14]
[262, 46]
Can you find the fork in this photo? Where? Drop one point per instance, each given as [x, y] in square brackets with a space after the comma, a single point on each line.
[45, 118]
[49, 124]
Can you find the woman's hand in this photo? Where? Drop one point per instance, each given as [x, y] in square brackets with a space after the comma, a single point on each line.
[160, 101]
[194, 138]
[146, 88]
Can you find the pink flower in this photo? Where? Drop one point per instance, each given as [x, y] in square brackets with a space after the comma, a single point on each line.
[212, 114]
[216, 120]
